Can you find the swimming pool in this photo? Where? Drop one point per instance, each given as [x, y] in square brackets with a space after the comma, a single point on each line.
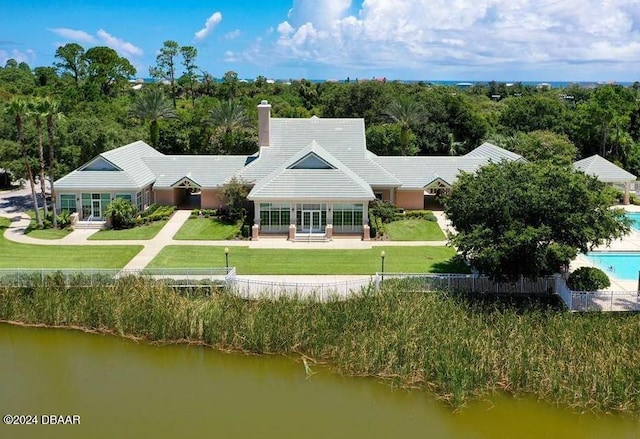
[622, 265]
[635, 220]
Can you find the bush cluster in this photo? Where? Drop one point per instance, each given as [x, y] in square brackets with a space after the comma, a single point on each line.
[588, 279]
[204, 213]
[155, 212]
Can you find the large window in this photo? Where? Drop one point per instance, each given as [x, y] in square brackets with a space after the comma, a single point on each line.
[274, 217]
[124, 196]
[139, 201]
[68, 203]
[347, 218]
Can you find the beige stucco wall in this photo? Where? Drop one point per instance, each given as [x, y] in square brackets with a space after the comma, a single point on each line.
[386, 193]
[211, 199]
[165, 197]
[411, 200]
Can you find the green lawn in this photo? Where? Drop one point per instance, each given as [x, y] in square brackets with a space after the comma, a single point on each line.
[47, 233]
[283, 261]
[209, 229]
[146, 231]
[16, 255]
[34, 232]
[415, 230]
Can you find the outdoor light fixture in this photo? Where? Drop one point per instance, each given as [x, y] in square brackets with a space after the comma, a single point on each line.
[382, 255]
[226, 257]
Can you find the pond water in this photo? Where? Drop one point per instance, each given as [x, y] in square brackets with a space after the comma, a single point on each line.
[120, 388]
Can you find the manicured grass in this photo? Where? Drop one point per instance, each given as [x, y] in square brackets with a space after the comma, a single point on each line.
[415, 230]
[285, 261]
[34, 232]
[146, 231]
[16, 255]
[209, 229]
[47, 233]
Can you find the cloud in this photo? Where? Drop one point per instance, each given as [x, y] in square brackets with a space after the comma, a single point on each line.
[125, 49]
[73, 34]
[20, 56]
[232, 35]
[209, 26]
[480, 35]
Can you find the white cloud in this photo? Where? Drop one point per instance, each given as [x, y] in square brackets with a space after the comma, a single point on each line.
[73, 34]
[232, 35]
[464, 34]
[20, 56]
[209, 26]
[125, 48]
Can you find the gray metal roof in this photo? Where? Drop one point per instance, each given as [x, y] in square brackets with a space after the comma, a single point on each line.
[417, 172]
[493, 153]
[207, 171]
[603, 170]
[134, 173]
[287, 183]
[342, 138]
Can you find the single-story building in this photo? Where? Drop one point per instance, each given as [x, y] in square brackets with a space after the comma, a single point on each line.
[607, 172]
[310, 176]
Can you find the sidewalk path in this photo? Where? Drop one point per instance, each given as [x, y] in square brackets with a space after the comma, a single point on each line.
[151, 247]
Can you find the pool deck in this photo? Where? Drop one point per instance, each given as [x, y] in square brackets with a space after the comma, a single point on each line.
[629, 243]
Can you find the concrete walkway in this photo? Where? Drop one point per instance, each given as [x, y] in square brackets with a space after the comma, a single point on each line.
[151, 247]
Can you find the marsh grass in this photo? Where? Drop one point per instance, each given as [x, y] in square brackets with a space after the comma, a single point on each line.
[458, 347]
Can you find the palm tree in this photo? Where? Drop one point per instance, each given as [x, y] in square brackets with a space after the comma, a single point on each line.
[228, 117]
[52, 112]
[36, 110]
[453, 147]
[152, 106]
[18, 109]
[407, 113]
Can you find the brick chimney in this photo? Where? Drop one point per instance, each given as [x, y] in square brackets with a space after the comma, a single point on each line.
[264, 123]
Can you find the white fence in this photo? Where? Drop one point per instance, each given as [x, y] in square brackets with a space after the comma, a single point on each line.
[322, 291]
[605, 301]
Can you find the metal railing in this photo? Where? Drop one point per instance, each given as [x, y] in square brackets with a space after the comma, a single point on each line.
[321, 291]
[431, 282]
[605, 301]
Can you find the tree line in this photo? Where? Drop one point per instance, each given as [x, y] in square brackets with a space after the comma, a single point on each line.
[189, 111]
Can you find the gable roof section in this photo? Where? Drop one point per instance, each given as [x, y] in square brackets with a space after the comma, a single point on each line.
[287, 182]
[603, 170]
[418, 172]
[207, 171]
[129, 170]
[99, 163]
[311, 161]
[342, 138]
[493, 153]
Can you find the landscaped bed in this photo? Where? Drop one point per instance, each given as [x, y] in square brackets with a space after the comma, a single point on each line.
[144, 231]
[419, 259]
[16, 255]
[48, 233]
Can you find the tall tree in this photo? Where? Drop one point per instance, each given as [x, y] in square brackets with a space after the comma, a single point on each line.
[407, 113]
[52, 113]
[18, 108]
[152, 106]
[228, 117]
[36, 109]
[72, 60]
[107, 70]
[166, 66]
[189, 54]
[546, 146]
[535, 221]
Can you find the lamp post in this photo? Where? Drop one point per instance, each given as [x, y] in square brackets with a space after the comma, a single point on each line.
[226, 258]
[382, 255]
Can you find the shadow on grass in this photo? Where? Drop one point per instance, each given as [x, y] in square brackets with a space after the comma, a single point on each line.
[454, 264]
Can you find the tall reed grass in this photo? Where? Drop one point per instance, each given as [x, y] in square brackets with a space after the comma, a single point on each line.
[455, 346]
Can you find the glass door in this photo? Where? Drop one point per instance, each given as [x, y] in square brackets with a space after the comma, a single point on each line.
[96, 209]
[311, 221]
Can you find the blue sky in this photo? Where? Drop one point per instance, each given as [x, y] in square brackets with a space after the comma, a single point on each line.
[504, 40]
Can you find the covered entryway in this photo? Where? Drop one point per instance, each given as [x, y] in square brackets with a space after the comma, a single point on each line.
[187, 194]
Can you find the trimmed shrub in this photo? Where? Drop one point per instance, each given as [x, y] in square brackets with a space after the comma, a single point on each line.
[588, 279]
[122, 214]
[426, 215]
[384, 210]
